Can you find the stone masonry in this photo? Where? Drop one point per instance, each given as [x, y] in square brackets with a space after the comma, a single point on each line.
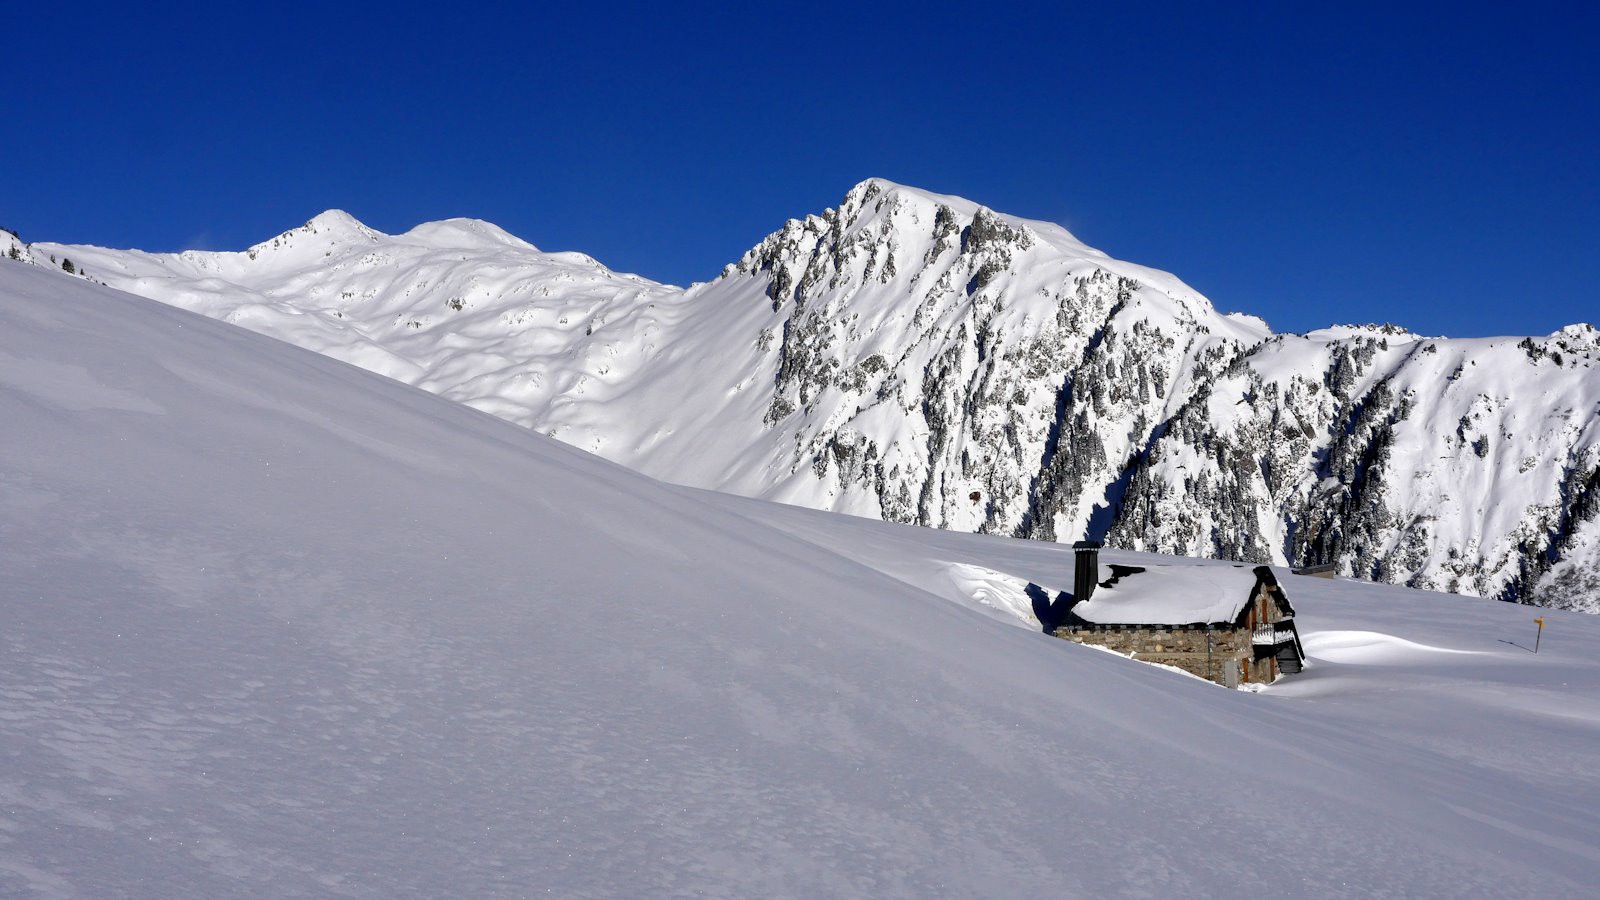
[1184, 648]
[1205, 651]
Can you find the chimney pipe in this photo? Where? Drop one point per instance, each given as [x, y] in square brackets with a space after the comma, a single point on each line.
[1087, 572]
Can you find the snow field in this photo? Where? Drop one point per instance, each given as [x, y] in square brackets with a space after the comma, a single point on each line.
[278, 626]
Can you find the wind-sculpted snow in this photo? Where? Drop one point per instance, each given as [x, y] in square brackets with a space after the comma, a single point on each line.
[920, 358]
[275, 626]
[459, 307]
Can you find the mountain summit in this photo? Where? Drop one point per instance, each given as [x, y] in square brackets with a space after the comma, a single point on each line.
[275, 626]
[921, 358]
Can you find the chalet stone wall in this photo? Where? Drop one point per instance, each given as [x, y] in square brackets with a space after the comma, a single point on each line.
[1182, 648]
[1194, 649]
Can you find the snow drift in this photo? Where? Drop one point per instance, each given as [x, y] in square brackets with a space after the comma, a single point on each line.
[275, 625]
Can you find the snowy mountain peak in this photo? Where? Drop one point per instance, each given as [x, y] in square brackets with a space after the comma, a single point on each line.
[901, 198]
[919, 357]
[467, 234]
[891, 246]
[251, 596]
[333, 228]
[1387, 331]
[883, 232]
[336, 221]
[1581, 334]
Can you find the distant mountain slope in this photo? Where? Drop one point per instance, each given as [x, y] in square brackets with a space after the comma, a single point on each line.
[1470, 466]
[457, 307]
[920, 358]
[275, 626]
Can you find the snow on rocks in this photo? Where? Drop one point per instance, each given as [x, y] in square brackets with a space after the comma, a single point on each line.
[277, 626]
[917, 357]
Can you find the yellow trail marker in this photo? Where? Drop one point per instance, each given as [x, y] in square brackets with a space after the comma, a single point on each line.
[1538, 634]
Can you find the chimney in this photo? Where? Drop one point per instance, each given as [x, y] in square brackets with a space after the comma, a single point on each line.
[1088, 570]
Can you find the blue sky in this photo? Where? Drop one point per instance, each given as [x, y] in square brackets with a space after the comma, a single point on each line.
[1432, 165]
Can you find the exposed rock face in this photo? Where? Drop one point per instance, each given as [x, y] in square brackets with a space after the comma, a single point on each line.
[923, 359]
[965, 369]
[1463, 466]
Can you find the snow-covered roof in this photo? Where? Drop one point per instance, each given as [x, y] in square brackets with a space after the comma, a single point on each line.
[1169, 595]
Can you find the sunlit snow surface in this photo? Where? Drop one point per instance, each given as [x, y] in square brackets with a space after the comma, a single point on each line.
[273, 625]
[1172, 594]
[906, 352]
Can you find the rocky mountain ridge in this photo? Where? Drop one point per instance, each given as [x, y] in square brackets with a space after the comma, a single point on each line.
[921, 358]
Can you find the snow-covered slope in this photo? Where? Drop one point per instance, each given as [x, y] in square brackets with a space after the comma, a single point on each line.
[919, 358]
[458, 307]
[1461, 465]
[277, 626]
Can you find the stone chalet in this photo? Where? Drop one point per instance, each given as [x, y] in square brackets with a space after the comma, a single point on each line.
[1227, 624]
